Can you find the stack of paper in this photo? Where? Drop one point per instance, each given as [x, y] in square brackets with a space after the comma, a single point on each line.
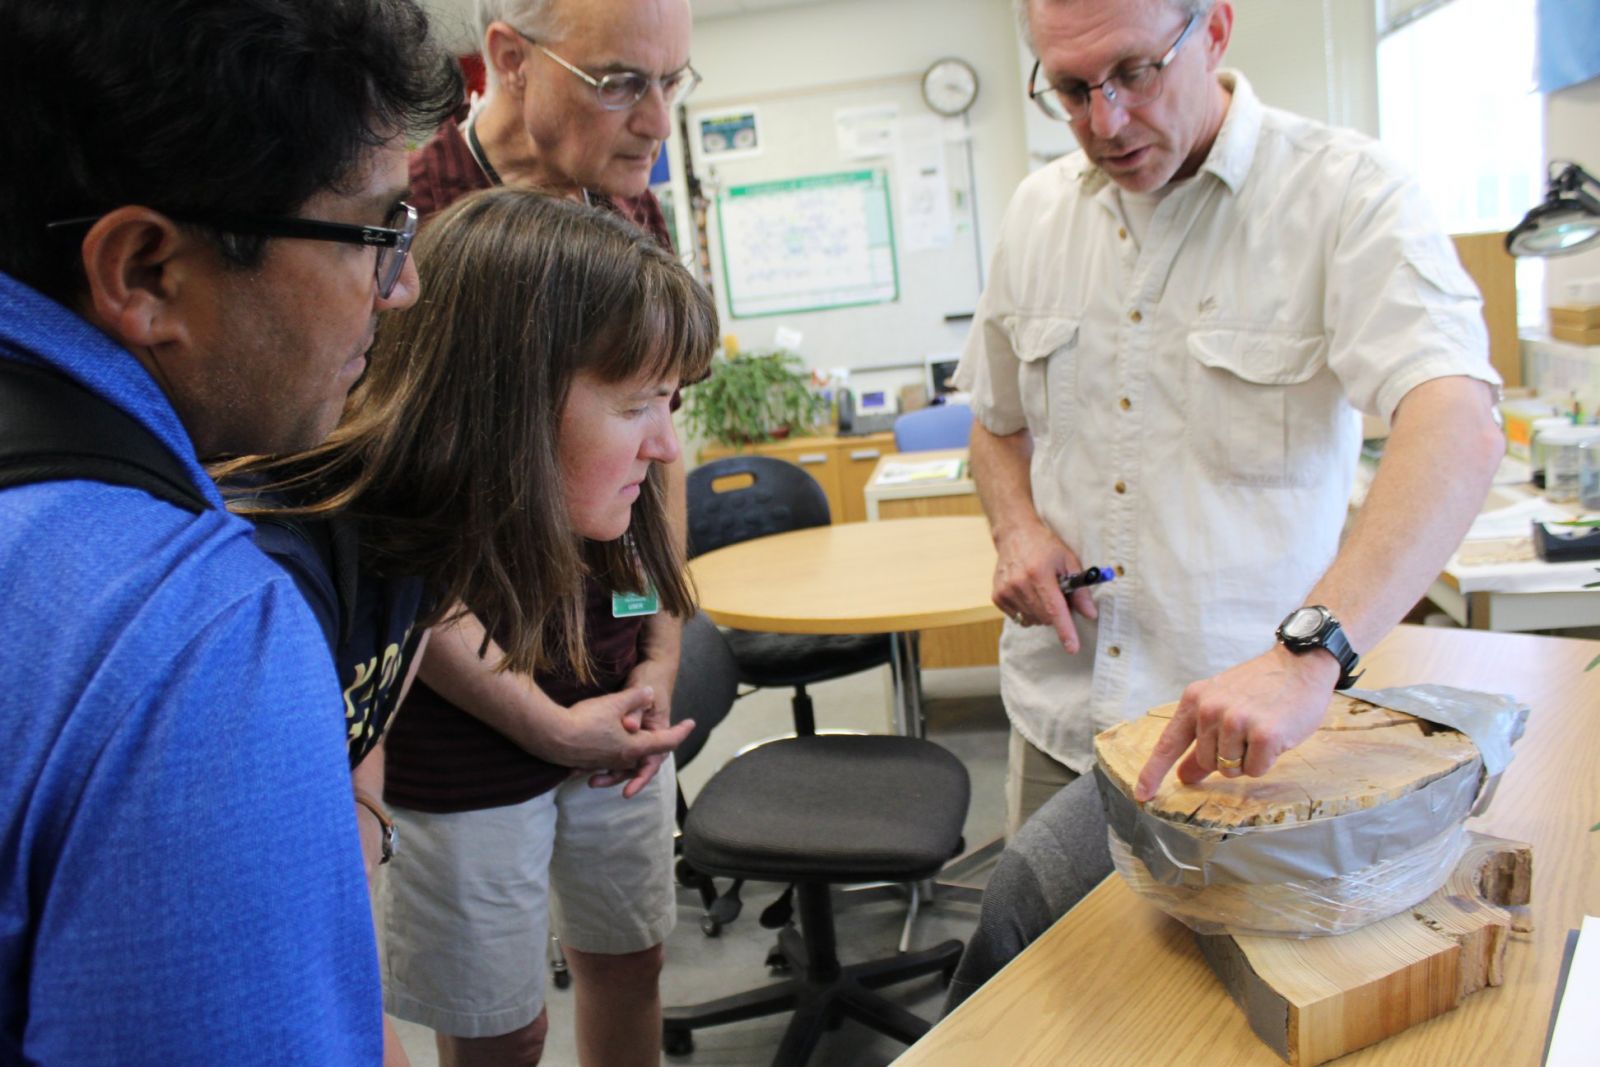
[904, 472]
[1576, 1034]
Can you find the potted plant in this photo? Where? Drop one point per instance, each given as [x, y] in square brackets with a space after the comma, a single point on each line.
[753, 397]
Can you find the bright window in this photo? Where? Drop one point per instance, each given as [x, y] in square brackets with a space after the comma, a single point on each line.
[1457, 103]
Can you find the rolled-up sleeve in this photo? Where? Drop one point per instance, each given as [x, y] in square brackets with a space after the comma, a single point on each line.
[1399, 307]
[988, 368]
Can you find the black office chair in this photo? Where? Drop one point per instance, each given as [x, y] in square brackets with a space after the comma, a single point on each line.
[819, 810]
[708, 684]
[725, 509]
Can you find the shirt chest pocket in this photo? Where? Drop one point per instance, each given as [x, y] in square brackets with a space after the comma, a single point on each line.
[1263, 409]
[1046, 348]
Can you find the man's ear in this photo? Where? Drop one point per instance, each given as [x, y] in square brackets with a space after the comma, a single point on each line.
[1218, 32]
[137, 262]
[507, 51]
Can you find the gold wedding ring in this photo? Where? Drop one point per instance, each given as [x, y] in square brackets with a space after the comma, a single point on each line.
[1226, 764]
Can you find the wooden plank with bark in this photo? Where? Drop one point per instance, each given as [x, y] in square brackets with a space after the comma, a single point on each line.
[1315, 999]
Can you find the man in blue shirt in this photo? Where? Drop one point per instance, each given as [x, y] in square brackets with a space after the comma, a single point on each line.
[180, 880]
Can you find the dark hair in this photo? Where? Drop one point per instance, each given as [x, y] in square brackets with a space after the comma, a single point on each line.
[208, 106]
[447, 455]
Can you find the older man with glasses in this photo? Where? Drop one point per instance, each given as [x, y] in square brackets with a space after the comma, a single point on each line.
[580, 100]
[1181, 321]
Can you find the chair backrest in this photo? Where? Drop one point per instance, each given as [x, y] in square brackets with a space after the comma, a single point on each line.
[708, 683]
[944, 426]
[741, 497]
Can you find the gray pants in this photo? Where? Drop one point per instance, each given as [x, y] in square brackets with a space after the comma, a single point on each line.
[1053, 862]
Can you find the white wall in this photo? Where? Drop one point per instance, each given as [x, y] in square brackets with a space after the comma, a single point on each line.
[453, 24]
[1317, 58]
[1572, 132]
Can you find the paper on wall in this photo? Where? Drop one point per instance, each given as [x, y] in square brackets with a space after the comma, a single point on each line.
[924, 187]
[866, 132]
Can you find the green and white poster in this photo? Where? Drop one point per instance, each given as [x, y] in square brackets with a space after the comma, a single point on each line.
[808, 244]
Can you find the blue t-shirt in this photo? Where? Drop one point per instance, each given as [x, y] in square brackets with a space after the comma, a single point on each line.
[180, 874]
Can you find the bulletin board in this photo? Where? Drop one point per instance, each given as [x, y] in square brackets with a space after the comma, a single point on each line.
[808, 244]
[903, 225]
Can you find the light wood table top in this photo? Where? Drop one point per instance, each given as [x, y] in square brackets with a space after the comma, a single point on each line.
[1117, 982]
[853, 578]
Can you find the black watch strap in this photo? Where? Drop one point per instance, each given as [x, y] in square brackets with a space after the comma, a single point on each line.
[1339, 645]
[1329, 635]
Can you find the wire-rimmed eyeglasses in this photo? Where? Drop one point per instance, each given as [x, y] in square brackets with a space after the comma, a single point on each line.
[1129, 87]
[392, 239]
[620, 90]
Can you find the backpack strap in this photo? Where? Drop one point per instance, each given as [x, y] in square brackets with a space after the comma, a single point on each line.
[54, 430]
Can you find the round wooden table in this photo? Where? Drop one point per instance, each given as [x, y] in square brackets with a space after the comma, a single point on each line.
[896, 576]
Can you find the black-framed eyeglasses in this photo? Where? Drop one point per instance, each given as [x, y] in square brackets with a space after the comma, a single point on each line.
[1129, 87]
[620, 90]
[392, 239]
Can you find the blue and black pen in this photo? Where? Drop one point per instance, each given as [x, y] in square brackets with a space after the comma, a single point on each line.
[1086, 577]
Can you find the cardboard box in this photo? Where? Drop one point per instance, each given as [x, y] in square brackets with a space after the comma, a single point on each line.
[1578, 335]
[1575, 316]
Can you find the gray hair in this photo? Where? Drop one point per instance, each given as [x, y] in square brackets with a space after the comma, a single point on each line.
[540, 19]
[1189, 8]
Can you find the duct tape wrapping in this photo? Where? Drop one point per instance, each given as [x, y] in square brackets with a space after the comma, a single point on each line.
[1311, 908]
[1494, 721]
[1323, 876]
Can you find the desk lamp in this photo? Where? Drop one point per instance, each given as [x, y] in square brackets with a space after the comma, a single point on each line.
[1568, 221]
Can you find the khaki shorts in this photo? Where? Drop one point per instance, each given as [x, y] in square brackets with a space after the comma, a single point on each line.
[1033, 776]
[466, 904]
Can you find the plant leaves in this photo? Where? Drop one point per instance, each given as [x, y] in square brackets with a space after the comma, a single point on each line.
[749, 397]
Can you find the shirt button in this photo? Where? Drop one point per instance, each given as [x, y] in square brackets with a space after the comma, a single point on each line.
[1122, 232]
[1121, 487]
[1125, 403]
[1135, 316]
[1114, 651]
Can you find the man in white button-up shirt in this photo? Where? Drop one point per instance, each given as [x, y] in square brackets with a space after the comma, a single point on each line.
[1181, 324]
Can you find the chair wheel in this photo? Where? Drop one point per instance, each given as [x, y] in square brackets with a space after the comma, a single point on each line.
[777, 962]
[561, 977]
[676, 1042]
[709, 926]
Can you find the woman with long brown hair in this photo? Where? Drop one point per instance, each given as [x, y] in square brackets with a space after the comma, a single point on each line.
[503, 457]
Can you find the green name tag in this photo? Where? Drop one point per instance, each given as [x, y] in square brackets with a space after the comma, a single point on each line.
[627, 605]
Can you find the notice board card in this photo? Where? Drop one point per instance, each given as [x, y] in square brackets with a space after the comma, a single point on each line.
[807, 244]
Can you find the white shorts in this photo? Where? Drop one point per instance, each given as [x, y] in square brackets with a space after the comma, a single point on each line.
[466, 904]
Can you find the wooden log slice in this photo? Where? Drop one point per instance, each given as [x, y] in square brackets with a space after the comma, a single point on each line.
[1361, 756]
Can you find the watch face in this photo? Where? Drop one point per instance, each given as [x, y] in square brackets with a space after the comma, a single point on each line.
[1303, 623]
